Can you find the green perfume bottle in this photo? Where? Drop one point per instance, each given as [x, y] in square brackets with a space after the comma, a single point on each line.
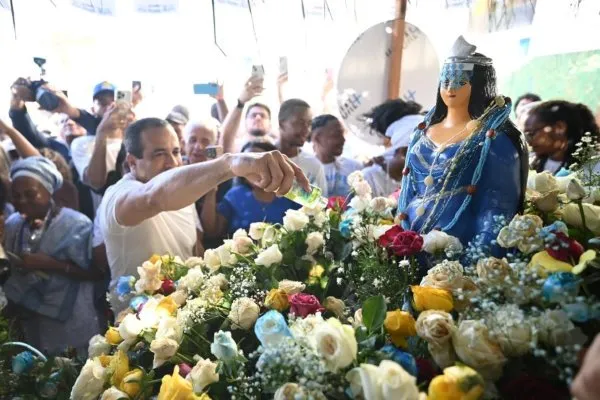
[307, 199]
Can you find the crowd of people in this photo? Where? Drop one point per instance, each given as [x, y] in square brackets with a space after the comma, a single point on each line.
[82, 209]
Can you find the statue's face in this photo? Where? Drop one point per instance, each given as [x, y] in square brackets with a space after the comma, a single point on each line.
[456, 97]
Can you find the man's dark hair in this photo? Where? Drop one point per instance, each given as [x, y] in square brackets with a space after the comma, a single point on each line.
[260, 105]
[133, 134]
[290, 107]
[527, 96]
[319, 122]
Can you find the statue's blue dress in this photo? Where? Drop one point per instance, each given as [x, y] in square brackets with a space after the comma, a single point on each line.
[463, 198]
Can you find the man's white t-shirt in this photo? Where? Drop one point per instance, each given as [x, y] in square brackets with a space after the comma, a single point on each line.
[127, 247]
[381, 183]
[336, 174]
[313, 169]
[81, 153]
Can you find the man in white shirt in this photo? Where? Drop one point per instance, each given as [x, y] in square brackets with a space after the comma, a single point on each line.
[327, 137]
[151, 210]
[295, 119]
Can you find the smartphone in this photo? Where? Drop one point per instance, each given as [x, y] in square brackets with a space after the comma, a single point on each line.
[213, 152]
[283, 65]
[258, 71]
[124, 95]
[210, 88]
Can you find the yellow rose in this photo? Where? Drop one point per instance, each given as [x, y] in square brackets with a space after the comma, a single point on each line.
[155, 258]
[167, 306]
[475, 347]
[112, 336]
[277, 299]
[131, 382]
[315, 274]
[428, 298]
[119, 364]
[457, 383]
[105, 360]
[399, 323]
[334, 305]
[175, 387]
[545, 264]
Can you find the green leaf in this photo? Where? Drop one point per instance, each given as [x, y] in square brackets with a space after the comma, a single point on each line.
[373, 311]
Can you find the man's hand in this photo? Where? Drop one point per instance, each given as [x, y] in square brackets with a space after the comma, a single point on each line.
[220, 94]
[586, 385]
[21, 93]
[37, 261]
[252, 88]
[272, 171]
[116, 118]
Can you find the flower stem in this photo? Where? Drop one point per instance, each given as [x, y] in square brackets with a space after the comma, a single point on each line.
[582, 212]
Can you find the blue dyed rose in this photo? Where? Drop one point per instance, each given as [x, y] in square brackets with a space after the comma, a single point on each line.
[138, 301]
[223, 346]
[560, 285]
[125, 285]
[22, 362]
[406, 360]
[547, 232]
[346, 228]
[271, 328]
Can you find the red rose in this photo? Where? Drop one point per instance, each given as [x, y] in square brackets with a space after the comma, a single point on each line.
[303, 304]
[337, 203]
[184, 369]
[407, 243]
[388, 237]
[167, 287]
[564, 248]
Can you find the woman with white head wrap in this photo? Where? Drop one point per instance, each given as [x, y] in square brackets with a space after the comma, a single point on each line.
[396, 119]
[51, 287]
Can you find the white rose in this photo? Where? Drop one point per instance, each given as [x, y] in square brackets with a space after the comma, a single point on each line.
[336, 343]
[240, 233]
[556, 329]
[203, 374]
[294, 220]
[98, 346]
[355, 177]
[113, 393]
[269, 256]
[169, 328]
[291, 287]
[192, 281]
[360, 203]
[474, 347]
[358, 318]
[364, 382]
[131, 327]
[435, 241]
[562, 182]
[378, 204]
[314, 209]
[163, 350]
[244, 312]
[179, 297]
[241, 245]
[270, 236]
[575, 190]
[303, 329]
[219, 281]
[511, 330]
[194, 262]
[572, 216]
[547, 202]
[213, 262]
[149, 277]
[436, 328]
[334, 305]
[445, 275]
[378, 231]
[362, 188]
[288, 391]
[396, 383]
[314, 241]
[226, 257]
[257, 229]
[320, 219]
[542, 182]
[90, 382]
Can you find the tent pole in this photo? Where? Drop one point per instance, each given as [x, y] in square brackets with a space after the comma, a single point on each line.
[395, 60]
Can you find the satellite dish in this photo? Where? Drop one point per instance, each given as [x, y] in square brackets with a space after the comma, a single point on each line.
[362, 79]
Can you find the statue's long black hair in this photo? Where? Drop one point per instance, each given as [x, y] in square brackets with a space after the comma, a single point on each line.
[483, 91]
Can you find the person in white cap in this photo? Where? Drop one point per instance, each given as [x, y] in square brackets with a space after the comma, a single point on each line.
[396, 120]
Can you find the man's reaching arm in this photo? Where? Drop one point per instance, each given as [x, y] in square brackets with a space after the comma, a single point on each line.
[252, 88]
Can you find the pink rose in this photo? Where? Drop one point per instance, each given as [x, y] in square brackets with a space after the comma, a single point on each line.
[303, 304]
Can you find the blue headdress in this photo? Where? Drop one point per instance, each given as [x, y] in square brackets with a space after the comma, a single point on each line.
[458, 67]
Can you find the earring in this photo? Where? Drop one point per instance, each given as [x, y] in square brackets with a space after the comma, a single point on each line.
[547, 129]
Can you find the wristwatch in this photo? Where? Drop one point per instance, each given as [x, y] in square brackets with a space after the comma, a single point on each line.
[240, 105]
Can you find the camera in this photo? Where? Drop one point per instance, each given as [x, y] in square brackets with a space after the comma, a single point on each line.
[45, 98]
